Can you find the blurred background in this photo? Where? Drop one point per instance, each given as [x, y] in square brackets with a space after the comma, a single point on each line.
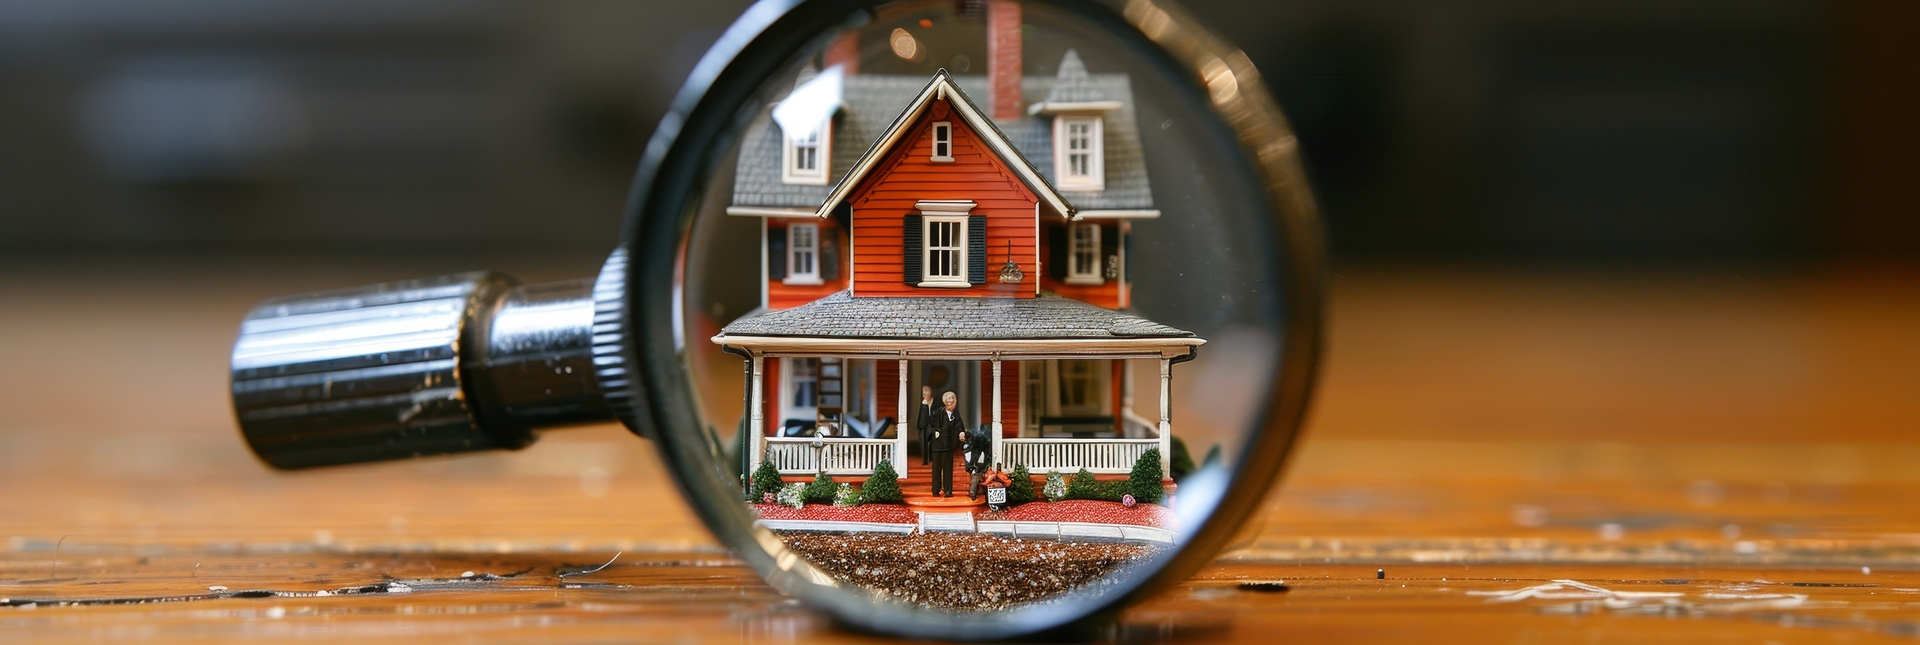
[1770, 131]
[1663, 245]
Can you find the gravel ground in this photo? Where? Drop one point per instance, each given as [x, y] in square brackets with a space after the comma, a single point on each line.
[967, 571]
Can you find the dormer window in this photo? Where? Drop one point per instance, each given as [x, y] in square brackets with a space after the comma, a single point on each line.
[942, 141]
[805, 155]
[1077, 159]
[803, 254]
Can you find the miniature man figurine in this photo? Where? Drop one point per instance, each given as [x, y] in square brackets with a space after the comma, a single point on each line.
[924, 421]
[944, 435]
[979, 449]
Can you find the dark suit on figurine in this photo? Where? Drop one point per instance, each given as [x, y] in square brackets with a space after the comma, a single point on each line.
[924, 424]
[945, 434]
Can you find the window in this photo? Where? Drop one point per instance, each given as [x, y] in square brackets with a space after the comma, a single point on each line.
[945, 259]
[805, 155]
[803, 253]
[1083, 255]
[1077, 153]
[803, 389]
[942, 141]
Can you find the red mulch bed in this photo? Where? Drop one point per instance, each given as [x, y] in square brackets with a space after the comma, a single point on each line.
[1086, 510]
[882, 513]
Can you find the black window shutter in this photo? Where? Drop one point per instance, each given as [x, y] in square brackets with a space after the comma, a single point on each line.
[911, 233]
[776, 253]
[1059, 238]
[1110, 251]
[829, 254]
[977, 249]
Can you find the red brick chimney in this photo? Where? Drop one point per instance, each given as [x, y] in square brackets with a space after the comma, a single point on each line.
[844, 50]
[1003, 58]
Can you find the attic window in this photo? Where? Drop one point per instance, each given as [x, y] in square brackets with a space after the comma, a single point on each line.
[942, 141]
[804, 155]
[1078, 161]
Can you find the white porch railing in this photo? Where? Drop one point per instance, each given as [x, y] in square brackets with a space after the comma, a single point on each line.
[1100, 456]
[797, 456]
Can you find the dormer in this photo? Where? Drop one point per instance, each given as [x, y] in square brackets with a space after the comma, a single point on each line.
[1079, 111]
[805, 120]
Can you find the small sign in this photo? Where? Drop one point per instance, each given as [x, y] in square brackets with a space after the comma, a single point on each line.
[997, 496]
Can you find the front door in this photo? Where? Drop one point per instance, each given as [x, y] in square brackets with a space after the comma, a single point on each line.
[962, 378]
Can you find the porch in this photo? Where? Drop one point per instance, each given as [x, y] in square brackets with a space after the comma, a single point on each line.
[989, 331]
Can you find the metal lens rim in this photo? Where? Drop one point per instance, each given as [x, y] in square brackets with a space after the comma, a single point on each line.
[660, 211]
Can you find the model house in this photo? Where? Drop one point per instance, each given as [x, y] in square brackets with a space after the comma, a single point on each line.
[915, 238]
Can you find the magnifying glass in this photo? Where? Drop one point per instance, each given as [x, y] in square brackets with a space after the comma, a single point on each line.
[1039, 289]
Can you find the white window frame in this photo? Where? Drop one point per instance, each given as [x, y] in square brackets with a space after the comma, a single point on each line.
[1096, 177]
[940, 134]
[1095, 273]
[823, 155]
[790, 383]
[796, 254]
[959, 250]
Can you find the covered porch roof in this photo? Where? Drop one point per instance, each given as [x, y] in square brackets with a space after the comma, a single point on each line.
[1045, 327]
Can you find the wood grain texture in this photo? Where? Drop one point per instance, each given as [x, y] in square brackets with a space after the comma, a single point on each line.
[1739, 446]
[907, 176]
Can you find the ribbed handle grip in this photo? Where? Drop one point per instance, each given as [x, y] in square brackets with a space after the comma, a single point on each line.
[365, 374]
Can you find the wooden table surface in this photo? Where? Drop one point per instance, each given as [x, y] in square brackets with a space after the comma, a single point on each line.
[1530, 457]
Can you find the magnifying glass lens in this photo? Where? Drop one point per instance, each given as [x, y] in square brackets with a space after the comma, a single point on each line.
[985, 315]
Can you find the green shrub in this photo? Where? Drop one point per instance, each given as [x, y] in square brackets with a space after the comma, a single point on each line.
[845, 497]
[1180, 462]
[1085, 486]
[1056, 488]
[821, 489]
[1144, 481]
[794, 495]
[883, 487]
[766, 479]
[1020, 490]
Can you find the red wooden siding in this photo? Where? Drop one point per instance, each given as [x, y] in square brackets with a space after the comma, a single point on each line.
[1106, 294]
[786, 296]
[907, 175]
[886, 385]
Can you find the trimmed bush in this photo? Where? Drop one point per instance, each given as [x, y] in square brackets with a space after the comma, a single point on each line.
[1085, 486]
[1144, 481]
[794, 495]
[883, 487]
[821, 489]
[845, 497]
[1020, 490]
[1056, 488]
[1180, 462]
[766, 479]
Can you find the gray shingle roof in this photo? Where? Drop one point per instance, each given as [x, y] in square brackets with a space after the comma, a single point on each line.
[872, 102]
[1047, 317]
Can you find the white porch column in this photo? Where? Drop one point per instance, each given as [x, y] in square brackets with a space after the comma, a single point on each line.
[757, 425]
[1166, 416]
[900, 426]
[996, 409]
